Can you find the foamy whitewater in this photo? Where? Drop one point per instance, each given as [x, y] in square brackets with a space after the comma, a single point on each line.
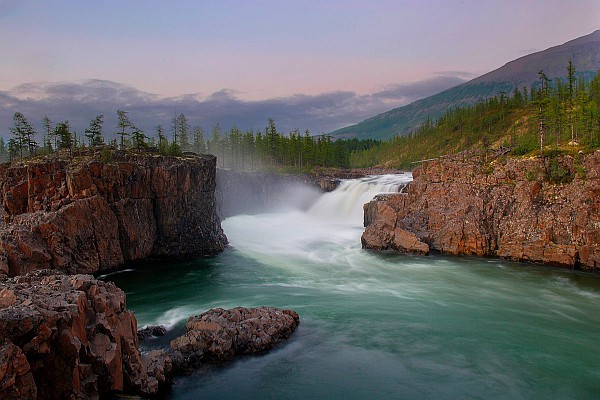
[379, 324]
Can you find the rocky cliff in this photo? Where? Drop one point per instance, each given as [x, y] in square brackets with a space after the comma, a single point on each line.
[71, 337]
[512, 208]
[67, 337]
[96, 211]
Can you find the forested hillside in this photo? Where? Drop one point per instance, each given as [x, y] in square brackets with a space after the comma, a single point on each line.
[560, 114]
[584, 52]
[555, 115]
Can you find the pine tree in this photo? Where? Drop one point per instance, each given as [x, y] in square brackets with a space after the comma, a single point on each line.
[13, 148]
[571, 86]
[183, 127]
[123, 123]
[94, 132]
[62, 130]
[199, 143]
[24, 133]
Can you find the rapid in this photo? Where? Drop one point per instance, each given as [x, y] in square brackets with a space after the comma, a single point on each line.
[378, 325]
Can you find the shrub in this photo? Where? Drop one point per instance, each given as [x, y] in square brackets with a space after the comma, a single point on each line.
[556, 173]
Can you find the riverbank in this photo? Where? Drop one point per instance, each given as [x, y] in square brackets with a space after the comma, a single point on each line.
[511, 208]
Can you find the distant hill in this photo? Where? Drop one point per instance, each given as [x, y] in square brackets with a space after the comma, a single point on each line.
[583, 51]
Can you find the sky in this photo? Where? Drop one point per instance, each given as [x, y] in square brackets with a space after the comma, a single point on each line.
[309, 64]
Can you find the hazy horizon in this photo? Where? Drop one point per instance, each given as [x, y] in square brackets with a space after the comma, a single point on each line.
[315, 65]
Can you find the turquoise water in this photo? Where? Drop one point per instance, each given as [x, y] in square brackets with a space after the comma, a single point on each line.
[379, 325]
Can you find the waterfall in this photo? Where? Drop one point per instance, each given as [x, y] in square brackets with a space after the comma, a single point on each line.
[346, 202]
[377, 325]
[328, 230]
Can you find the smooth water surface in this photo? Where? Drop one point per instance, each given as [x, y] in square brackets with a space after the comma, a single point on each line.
[379, 325]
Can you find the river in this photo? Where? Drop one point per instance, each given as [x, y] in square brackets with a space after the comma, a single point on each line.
[378, 325]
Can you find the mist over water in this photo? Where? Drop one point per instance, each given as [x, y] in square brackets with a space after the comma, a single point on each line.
[379, 325]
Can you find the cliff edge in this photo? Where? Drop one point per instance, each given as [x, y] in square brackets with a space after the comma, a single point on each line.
[71, 337]
[67, 337]
[519, 209]
[93, 212]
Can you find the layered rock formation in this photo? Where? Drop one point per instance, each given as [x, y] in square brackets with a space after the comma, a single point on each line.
[67, 337]
[94, 212]
[218, 335]
[507, 208]
[70, 336]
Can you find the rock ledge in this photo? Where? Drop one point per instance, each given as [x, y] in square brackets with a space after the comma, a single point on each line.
[507, 209]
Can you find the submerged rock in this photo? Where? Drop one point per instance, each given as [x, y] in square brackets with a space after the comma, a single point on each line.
[218, 335]
[150, 331]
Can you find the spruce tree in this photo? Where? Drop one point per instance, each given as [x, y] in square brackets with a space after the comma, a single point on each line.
[542, 103]
[62, 130]
[3, 148]
[571, 87]
[24, 133]
[49, 133]
[163, 143]
[94, 132]
[139, 138]
[183, 127]
[199, 143]
[123, 123]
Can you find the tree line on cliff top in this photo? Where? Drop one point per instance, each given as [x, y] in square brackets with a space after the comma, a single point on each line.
[249, 150]
[561, 115]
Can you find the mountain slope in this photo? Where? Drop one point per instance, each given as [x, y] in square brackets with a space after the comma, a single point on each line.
[583, 51]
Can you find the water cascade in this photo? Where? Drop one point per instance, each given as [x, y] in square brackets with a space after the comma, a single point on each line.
[379, 325]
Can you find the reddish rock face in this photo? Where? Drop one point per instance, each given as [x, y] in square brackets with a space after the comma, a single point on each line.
[218, 335]
[507, 209]
[85, 216]
[71, 337]
[67, 337]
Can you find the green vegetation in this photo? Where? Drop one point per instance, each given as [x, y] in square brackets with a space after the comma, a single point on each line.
[272, 149]
[563, 116]
[250, 151]
[404, 119]
[551, 118]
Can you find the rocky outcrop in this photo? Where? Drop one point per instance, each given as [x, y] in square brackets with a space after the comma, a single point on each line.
[218, 335]
[71, 337]
[151, 331]
[96, 211]
[67, 337]
[512, 208]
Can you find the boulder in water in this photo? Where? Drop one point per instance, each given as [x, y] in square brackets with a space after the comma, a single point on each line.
[151, 331]
[218, 335]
